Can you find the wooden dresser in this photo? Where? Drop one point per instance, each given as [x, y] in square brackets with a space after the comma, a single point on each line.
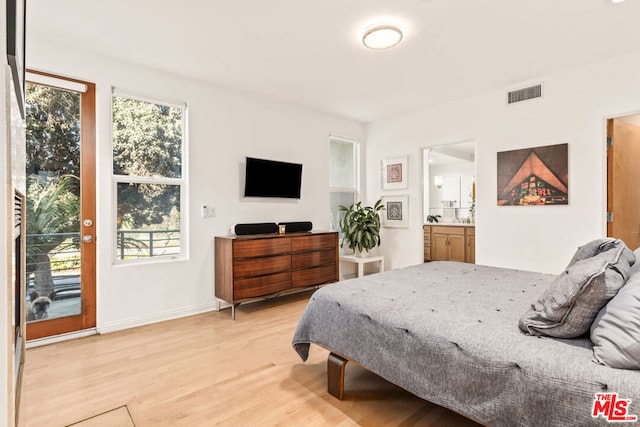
[255, 266]
[450, 243]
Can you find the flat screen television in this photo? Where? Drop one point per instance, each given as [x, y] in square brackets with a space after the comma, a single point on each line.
[270, 178]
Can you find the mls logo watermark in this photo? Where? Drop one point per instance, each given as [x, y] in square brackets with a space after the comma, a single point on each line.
[611, 408]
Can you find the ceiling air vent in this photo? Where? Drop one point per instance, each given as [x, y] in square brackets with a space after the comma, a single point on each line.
[524, 94]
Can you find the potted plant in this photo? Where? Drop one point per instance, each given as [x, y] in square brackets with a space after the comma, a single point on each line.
[433, 218]
[360, 226]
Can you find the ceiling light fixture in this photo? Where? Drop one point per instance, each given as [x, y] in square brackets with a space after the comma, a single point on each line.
[382, 36]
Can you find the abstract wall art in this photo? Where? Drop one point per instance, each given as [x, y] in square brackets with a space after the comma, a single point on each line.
[534, 176]
[395, 173]
[396, 211]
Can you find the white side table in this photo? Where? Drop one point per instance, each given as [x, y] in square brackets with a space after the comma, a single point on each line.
[361, 261]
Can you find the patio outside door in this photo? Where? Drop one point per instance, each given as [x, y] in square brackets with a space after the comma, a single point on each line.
[60, 214]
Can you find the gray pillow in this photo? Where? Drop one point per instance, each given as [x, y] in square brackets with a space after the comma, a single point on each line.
[568, 306]
[592, 249]
[615, 332]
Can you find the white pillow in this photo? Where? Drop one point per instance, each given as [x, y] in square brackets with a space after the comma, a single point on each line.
[615, 332]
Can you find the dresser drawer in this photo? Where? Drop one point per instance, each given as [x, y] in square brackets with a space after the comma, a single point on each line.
[442, 229]
[259, 286]
[261, 266]
[261, 247]
[312, 259]
[313, 242]
[314, 276]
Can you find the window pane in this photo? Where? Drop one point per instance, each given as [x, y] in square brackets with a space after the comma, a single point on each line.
[53, 202]
[147, 138]
[336, 199]
[148, 220]
[342, 164]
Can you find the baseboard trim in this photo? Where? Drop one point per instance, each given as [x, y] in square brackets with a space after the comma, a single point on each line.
[62, 337]
[109, 327]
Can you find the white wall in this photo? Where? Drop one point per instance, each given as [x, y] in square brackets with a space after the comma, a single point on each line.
[573, 110]
[224, 127]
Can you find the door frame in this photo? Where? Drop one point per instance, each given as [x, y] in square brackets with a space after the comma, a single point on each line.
[87, 317]
[608, 186]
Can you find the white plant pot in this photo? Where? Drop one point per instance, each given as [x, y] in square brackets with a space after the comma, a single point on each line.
[361, 254]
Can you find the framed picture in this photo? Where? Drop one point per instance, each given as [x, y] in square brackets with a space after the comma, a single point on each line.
[396, 211]
[534, 176]
[395, 173]
[15, 47]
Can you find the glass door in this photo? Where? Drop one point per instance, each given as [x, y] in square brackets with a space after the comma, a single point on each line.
[60, 205]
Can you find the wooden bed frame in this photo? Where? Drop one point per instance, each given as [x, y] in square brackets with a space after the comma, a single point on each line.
[335, 375]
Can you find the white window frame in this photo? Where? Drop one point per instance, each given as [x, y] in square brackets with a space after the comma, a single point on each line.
[356, 159]
[134, 179]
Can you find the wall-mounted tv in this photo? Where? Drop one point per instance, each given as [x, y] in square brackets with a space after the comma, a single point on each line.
[270, 178]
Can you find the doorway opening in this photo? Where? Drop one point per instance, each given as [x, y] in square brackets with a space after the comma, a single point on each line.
[449, 202]
[449, 183]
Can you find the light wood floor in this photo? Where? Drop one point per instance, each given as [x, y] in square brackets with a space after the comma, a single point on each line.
[209, 370]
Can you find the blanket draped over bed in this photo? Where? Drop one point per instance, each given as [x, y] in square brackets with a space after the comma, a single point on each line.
[448, 333]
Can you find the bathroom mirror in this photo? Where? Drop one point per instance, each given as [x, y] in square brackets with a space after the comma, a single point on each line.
[449, 182]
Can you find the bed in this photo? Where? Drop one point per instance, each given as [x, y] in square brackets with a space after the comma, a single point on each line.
[448, 333]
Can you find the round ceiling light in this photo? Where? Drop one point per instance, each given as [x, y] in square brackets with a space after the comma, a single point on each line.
[382, 36]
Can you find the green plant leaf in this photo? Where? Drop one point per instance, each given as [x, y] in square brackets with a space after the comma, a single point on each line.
[360, 225]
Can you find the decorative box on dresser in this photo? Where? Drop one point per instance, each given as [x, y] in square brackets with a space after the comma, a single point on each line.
[256, 266]
[450, 243]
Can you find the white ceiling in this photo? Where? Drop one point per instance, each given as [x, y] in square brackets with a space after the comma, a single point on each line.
[309, 53]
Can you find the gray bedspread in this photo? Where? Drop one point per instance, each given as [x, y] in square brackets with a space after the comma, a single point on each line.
[448, 333]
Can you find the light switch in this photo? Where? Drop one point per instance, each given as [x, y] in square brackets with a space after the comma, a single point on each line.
[208, 211]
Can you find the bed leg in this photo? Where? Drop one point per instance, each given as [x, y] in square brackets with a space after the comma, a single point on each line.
[335, 375]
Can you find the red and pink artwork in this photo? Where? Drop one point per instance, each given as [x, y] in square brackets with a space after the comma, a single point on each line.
[394, 173]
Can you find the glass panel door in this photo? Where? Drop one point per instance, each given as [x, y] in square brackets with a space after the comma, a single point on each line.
[59, 209]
